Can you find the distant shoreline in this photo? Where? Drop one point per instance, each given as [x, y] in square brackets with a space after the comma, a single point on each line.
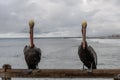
[60, 37]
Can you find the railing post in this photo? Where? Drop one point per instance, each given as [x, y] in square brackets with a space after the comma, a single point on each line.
[5, 67]
[117, 77]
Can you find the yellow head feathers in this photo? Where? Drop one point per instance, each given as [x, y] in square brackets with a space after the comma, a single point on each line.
[84, 23]
[31, 23]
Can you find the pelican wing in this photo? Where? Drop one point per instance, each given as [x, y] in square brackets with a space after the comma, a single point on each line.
[93, 53]
[79, 50]
[39, 50]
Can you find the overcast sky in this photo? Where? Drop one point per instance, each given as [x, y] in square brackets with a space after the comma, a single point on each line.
[60, 17]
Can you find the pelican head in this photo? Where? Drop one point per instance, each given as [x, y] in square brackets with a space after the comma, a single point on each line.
[31, 23]
[84, 24]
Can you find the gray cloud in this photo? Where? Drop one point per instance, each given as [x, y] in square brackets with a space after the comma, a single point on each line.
[60, 17]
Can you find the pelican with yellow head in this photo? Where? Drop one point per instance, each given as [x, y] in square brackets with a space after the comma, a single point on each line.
[31, 52]
[86, 53]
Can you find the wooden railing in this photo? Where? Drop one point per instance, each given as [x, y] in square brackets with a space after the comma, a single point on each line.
[7, 73]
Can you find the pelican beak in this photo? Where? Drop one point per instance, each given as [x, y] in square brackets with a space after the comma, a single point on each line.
[84, 26]
[84, 37]
[31, 25]
[84, 31]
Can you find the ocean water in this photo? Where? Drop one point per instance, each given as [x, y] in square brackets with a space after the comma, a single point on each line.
[60, 53]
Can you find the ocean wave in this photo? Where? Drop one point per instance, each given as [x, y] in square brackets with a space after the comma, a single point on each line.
[17, 35]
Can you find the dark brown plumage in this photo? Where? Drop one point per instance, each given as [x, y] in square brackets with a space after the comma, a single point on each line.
[88, 56]
[32, 56]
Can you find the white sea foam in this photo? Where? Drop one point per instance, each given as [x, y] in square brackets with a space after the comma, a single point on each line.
[17, 35]
[108, 41]
[13, 35]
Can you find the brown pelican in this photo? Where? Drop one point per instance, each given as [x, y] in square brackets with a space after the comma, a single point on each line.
[86, 53]
[32, 54]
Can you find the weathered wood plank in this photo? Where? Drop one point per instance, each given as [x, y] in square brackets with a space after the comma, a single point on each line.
[60, 73]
